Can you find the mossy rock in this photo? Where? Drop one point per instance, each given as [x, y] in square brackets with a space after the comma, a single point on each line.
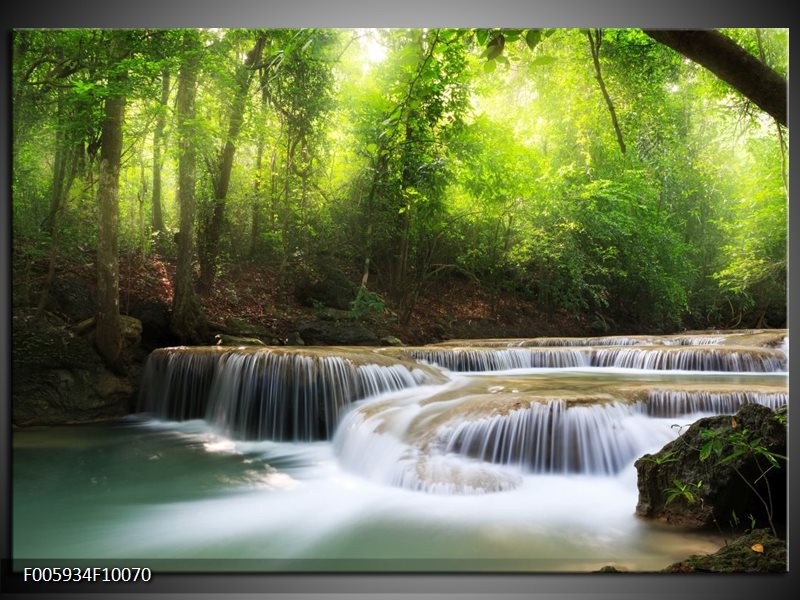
[57, 377]
[723, 499]
[48, 342]
[336, 333]
[328, 288]
[756, 552]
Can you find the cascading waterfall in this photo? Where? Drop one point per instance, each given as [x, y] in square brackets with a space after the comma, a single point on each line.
[176, 383]
[674, 403]
[472, 359]
[680, 357]
[683, 358]
[474, 433]
[528, 466]
[553, 437]
[265, 393]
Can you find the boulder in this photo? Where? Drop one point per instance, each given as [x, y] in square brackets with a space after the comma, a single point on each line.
[755, 552]
[154, 316]
[57, 377]
[390, 340]
[329, 287]
[334, 333]
[130, 330]
[73, 297]
[718, 488]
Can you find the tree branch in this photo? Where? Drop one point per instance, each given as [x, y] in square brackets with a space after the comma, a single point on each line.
[731, 63]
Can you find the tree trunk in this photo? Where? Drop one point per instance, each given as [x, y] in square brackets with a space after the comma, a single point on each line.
[108, 337]
[188, 322]
[595, 43]
[158, 135]
[65, 167]
[210, 248]
[731, 63]
[255, 232]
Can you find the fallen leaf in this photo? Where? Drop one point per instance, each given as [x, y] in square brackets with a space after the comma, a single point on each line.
[734, 424]
[757, 548]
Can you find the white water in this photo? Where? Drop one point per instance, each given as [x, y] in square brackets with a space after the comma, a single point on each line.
[294, 506]
[529, 467]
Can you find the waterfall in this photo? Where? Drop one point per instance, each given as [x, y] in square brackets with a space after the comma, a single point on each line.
[672, 403]
[554, 437]
[484, 359]
[682, 357]
[373, 443]
[176, 382]
[265, 393]
[443, 432]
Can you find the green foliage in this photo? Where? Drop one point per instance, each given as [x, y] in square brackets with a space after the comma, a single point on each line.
[366, 303]
[735, 445]
[417, 153]
[684, 491]
[662, 458]
[729, 445]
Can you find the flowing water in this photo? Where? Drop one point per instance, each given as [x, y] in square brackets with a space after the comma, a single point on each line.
[508, 455]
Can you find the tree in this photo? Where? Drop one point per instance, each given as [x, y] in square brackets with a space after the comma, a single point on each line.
[188, 322]
[220, 170]
[595, 42]
[158, 135]
[108, 338]
[731, 63]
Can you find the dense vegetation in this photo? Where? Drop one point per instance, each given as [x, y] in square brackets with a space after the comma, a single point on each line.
[598, 174]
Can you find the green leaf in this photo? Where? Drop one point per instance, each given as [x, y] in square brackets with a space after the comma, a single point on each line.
[495, 46]
[533, 37]
[489, 66]
[705, 451]
[481, 35]
[543, 60]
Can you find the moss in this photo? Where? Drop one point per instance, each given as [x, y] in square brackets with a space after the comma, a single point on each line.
[724, 499]
[756, 552]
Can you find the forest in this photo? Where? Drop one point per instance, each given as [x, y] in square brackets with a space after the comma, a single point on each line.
[558, 181]
[413, 300]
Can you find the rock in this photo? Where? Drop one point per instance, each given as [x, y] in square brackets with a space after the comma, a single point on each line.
[756, 552]
[154, 316]
[330, 288]
[609, 569]
[130, 330]
[232, 340]
[59, 378]
[390, 340]
[294, 339]
[334, 314]
[723, 499]
[333, 333]
[236, 326]
[72, 297]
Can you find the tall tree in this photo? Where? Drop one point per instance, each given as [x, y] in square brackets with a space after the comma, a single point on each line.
[188, 322]
[221, 171]
[158, 135]
[108, 338]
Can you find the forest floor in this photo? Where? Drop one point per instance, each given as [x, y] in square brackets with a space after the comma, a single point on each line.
[250, 294]
[453, 308]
